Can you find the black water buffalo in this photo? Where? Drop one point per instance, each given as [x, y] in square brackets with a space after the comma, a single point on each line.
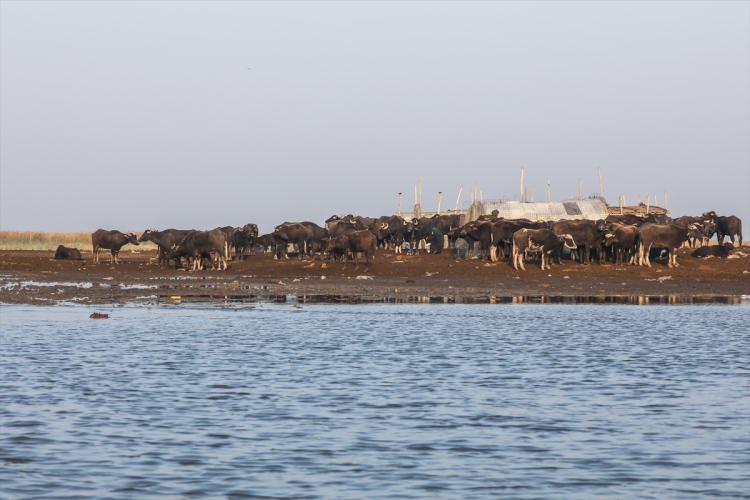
[355, 242]
[668, 236]
[67, 253]
[588, 235]
[338, 246]
[266, 242]
[113, 240]
[623, 240]
[165, 240]
[293, 233]
[545, 241]
[390, 231]
[419, 231]
[705, 224]
[445, 223]
[243, 239]
[722, 251]
[362, 241]
[199, 245]
[340, 226]
[638, 220]
[730, 226]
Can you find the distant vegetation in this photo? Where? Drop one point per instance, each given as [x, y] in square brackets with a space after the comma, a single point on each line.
[29, 240]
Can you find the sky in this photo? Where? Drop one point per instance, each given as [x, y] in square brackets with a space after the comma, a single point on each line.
[133, 115]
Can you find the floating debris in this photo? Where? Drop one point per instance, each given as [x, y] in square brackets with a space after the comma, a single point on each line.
[99, 316]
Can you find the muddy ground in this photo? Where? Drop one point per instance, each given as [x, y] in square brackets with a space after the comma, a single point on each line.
[33, 277]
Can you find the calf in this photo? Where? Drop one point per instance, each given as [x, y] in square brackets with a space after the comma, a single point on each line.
[543, 240]
[102, 239]
[67, 253]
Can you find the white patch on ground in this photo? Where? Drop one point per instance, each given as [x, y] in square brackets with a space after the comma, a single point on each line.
[11, 285]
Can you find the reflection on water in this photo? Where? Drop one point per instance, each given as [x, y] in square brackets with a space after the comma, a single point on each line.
[302, 400]
[457, 299]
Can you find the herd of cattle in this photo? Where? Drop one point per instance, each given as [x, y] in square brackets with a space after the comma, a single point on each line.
[618, 238]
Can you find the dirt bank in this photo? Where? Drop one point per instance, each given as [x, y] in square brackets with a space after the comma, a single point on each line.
[33, 277]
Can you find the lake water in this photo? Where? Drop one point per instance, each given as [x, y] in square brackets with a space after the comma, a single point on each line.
[455, 401]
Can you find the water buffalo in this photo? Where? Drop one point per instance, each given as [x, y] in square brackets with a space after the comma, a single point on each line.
[638, 220]
[67, 253]
[730, 226]
[588, 235]
[243, 239]
[353, 241]
[199, 245]
[545, 241]
[623, 240]
[705, 224]
[113, 240]
[722, 251]
[390, 231]
[165, 240]
[668, 236]
[292, 233]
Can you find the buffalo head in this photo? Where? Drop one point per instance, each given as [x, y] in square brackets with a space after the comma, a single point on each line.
[568, 241]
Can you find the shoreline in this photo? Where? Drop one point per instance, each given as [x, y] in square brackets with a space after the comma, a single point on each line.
[32, 277]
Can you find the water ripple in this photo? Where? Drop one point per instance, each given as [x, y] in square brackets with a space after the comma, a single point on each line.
[375, 401]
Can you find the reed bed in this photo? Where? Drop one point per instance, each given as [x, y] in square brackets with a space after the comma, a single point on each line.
[30, 240]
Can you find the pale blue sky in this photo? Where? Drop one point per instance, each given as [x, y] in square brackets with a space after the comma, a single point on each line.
[188, 114]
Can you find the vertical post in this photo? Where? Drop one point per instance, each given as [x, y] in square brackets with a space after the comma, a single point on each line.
[458, 198]
[621, 204]
[666, 201]
[440, 201]
[398, 209]
[549, 191]
[648, 202]
[523, 191]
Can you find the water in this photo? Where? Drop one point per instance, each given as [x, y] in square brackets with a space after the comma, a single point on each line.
[452, 401]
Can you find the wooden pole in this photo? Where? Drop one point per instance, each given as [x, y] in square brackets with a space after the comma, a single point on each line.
[440, 201]
[549, 191]
[622, 202]
[398, 209]
[648, 202]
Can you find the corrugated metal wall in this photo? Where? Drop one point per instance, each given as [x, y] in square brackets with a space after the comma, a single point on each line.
[592, 208]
